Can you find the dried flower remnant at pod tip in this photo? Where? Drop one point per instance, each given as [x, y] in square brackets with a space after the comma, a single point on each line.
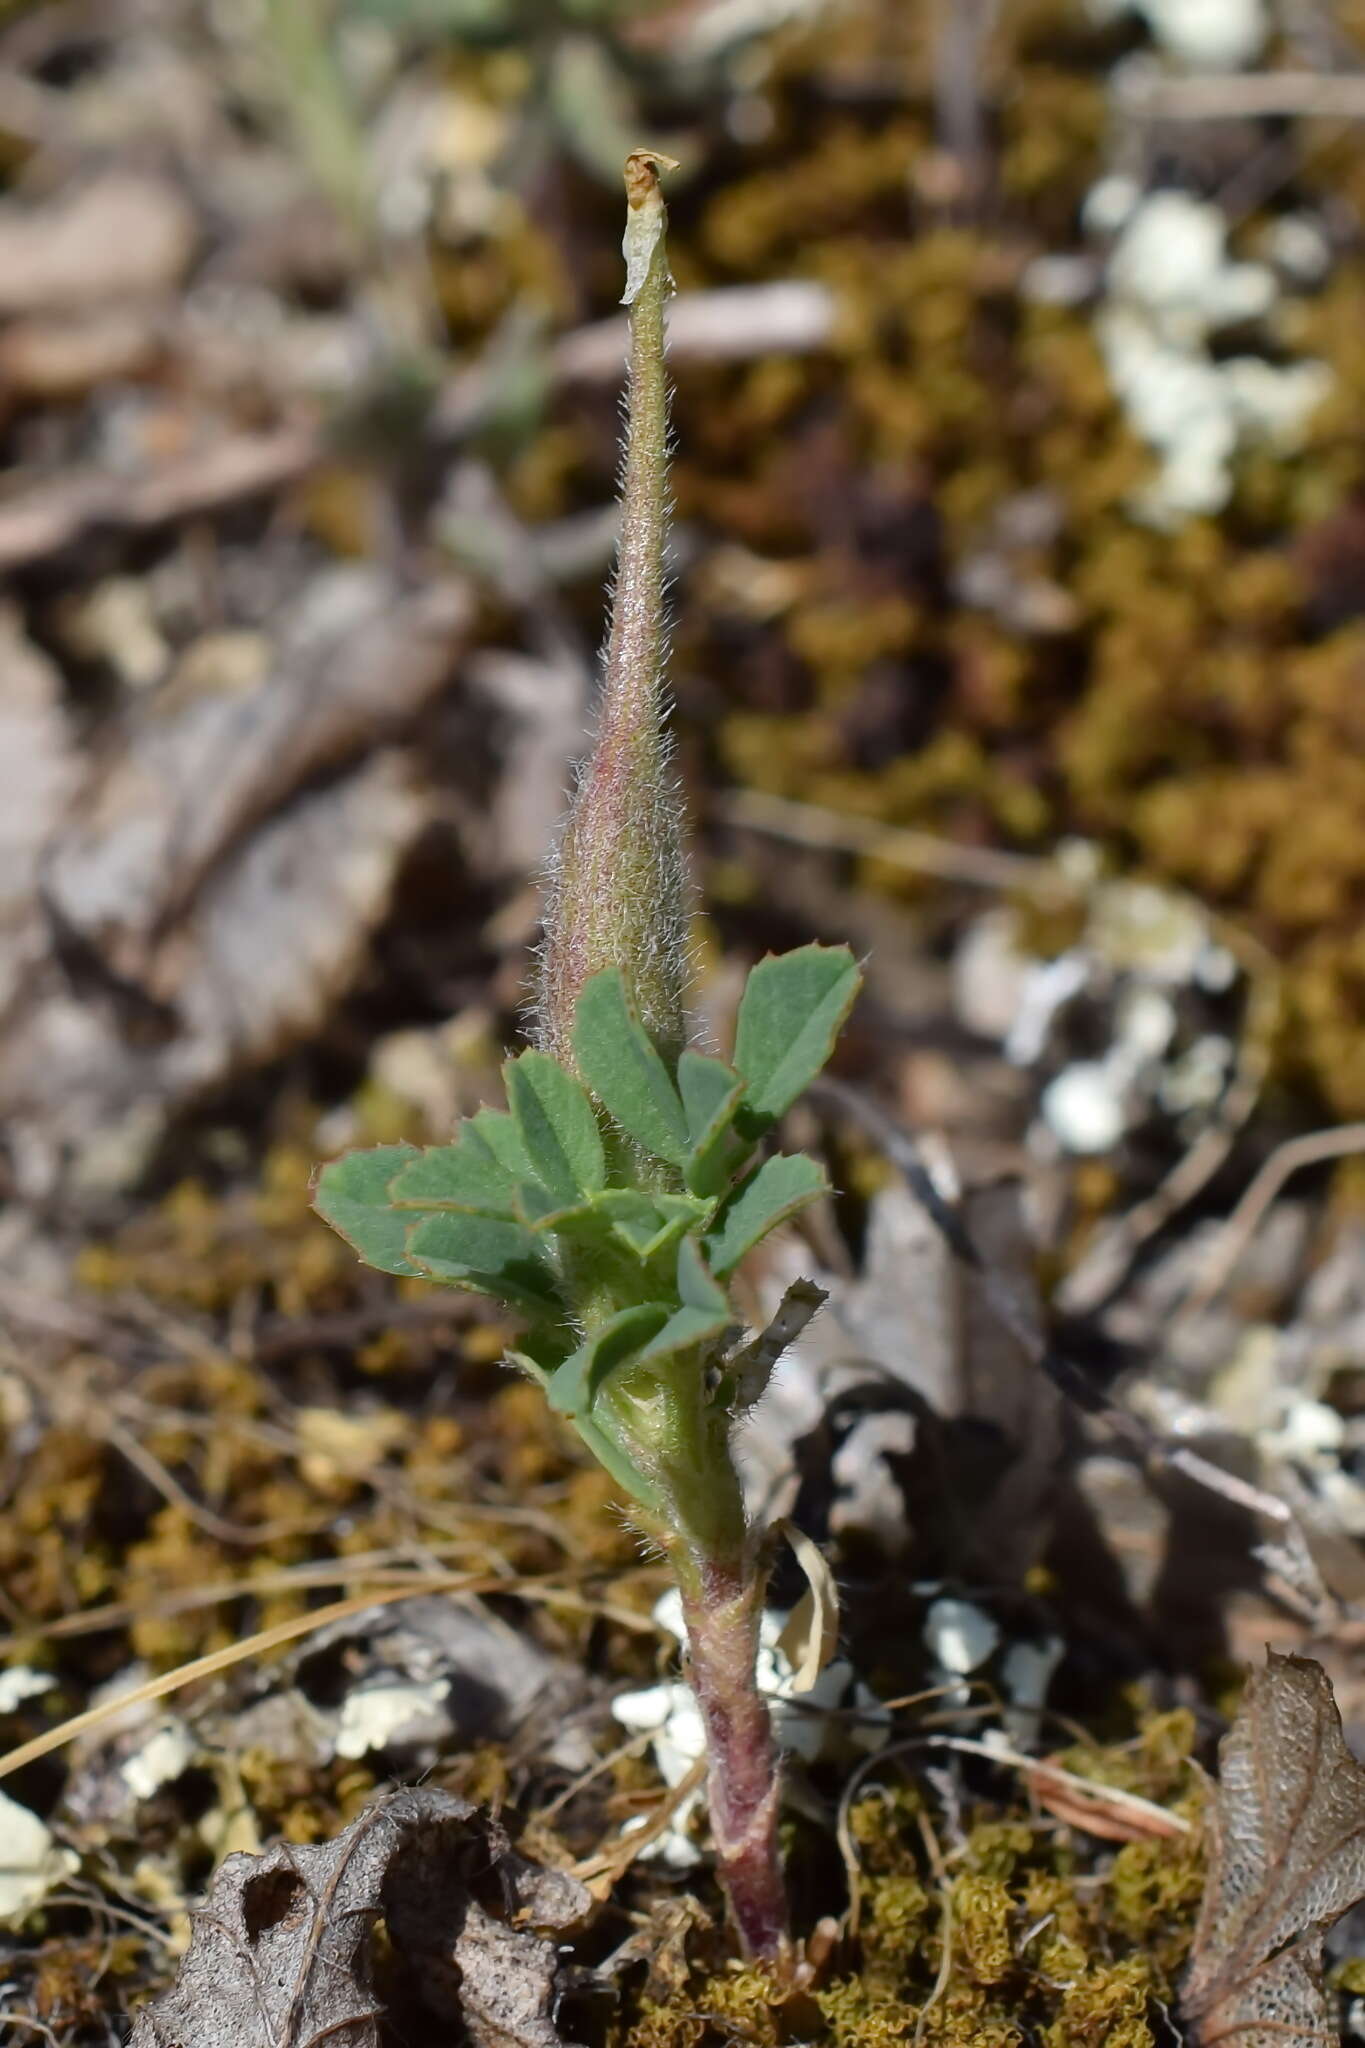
[611, 1202]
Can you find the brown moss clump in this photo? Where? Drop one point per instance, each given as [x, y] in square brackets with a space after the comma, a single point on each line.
[1031, 1931]
[979, 1930]
[1191, 698]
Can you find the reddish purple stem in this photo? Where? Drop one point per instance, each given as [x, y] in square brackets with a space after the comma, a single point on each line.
[722, 1606]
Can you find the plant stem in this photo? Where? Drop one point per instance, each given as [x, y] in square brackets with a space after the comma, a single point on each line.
[722, 1604]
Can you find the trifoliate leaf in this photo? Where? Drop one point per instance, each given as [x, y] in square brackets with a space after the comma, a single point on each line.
[466, 1175]
[486, 1256]
[636, 1219]
[624, 1071]
[574, 1387]
[352, 1194]
[764, 1198]
[540, 1355]
[791, 1012]
[557, 1126]
[711, 1095]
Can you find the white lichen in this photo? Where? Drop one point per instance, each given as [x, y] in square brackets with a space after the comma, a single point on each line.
[32, 1864]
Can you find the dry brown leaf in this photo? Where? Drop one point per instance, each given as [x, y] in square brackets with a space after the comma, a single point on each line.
[195, 770]
[280, 1950]
[811, 1634]
[45, 358]
[121, 236]
[38, 771]
[274, 939]
[205, 904]
[276, 934]
[1288, 1859]
[55, 511]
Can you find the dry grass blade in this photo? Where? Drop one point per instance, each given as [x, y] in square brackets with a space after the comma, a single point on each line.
[1236, 1234]
[259, 1645]
[1288, 1859]
[1101, 1810]
[220, 1660]
[602, 1872]
[811, 1635]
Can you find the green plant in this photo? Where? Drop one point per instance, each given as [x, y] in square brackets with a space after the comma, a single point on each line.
[629, 1175]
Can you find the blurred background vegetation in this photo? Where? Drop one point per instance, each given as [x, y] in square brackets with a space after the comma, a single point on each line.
[1011, 507]
[1019, 640]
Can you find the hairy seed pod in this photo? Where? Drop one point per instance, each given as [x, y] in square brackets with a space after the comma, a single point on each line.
[617, 895]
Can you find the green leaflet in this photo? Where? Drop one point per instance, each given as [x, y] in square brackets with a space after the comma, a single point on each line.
[789, 1017]
[352, 1194]
[487, 1256]
[499, 1132]
[541, 1353]
[648, 1224]
[705, 1311]
[557, 1127]
[467, 1175]
[573, 1387]
[541, 1213]
[764, 1198]
[624, 1071]
[711, 1095]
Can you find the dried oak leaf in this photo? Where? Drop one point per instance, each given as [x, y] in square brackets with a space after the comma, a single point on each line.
[280, 1951]
[197, 768]
[1288, 1859]
[119, 236]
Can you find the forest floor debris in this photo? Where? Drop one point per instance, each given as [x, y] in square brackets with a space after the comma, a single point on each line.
[309, 430]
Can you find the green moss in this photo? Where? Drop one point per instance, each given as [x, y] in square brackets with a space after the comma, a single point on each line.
[982, 1914]
[1106, 2008]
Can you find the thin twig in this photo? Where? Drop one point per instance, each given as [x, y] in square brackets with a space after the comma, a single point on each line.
[635, 1745]
[313, 1577]
[945, 1963]
[1241, 1226]
[612, 1865]
[1256, 96]
[272, 1639]
[983, 867]
[1009, 1759]
[168, 1486]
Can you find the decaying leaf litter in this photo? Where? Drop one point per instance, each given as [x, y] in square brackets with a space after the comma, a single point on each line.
[309, 411]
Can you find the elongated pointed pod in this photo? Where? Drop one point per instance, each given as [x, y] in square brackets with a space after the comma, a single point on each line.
[609, 1205]
[617, 895]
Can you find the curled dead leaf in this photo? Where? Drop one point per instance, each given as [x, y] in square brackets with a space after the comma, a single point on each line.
[811, 1635]
[281, 1946]
[1288, 1859]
